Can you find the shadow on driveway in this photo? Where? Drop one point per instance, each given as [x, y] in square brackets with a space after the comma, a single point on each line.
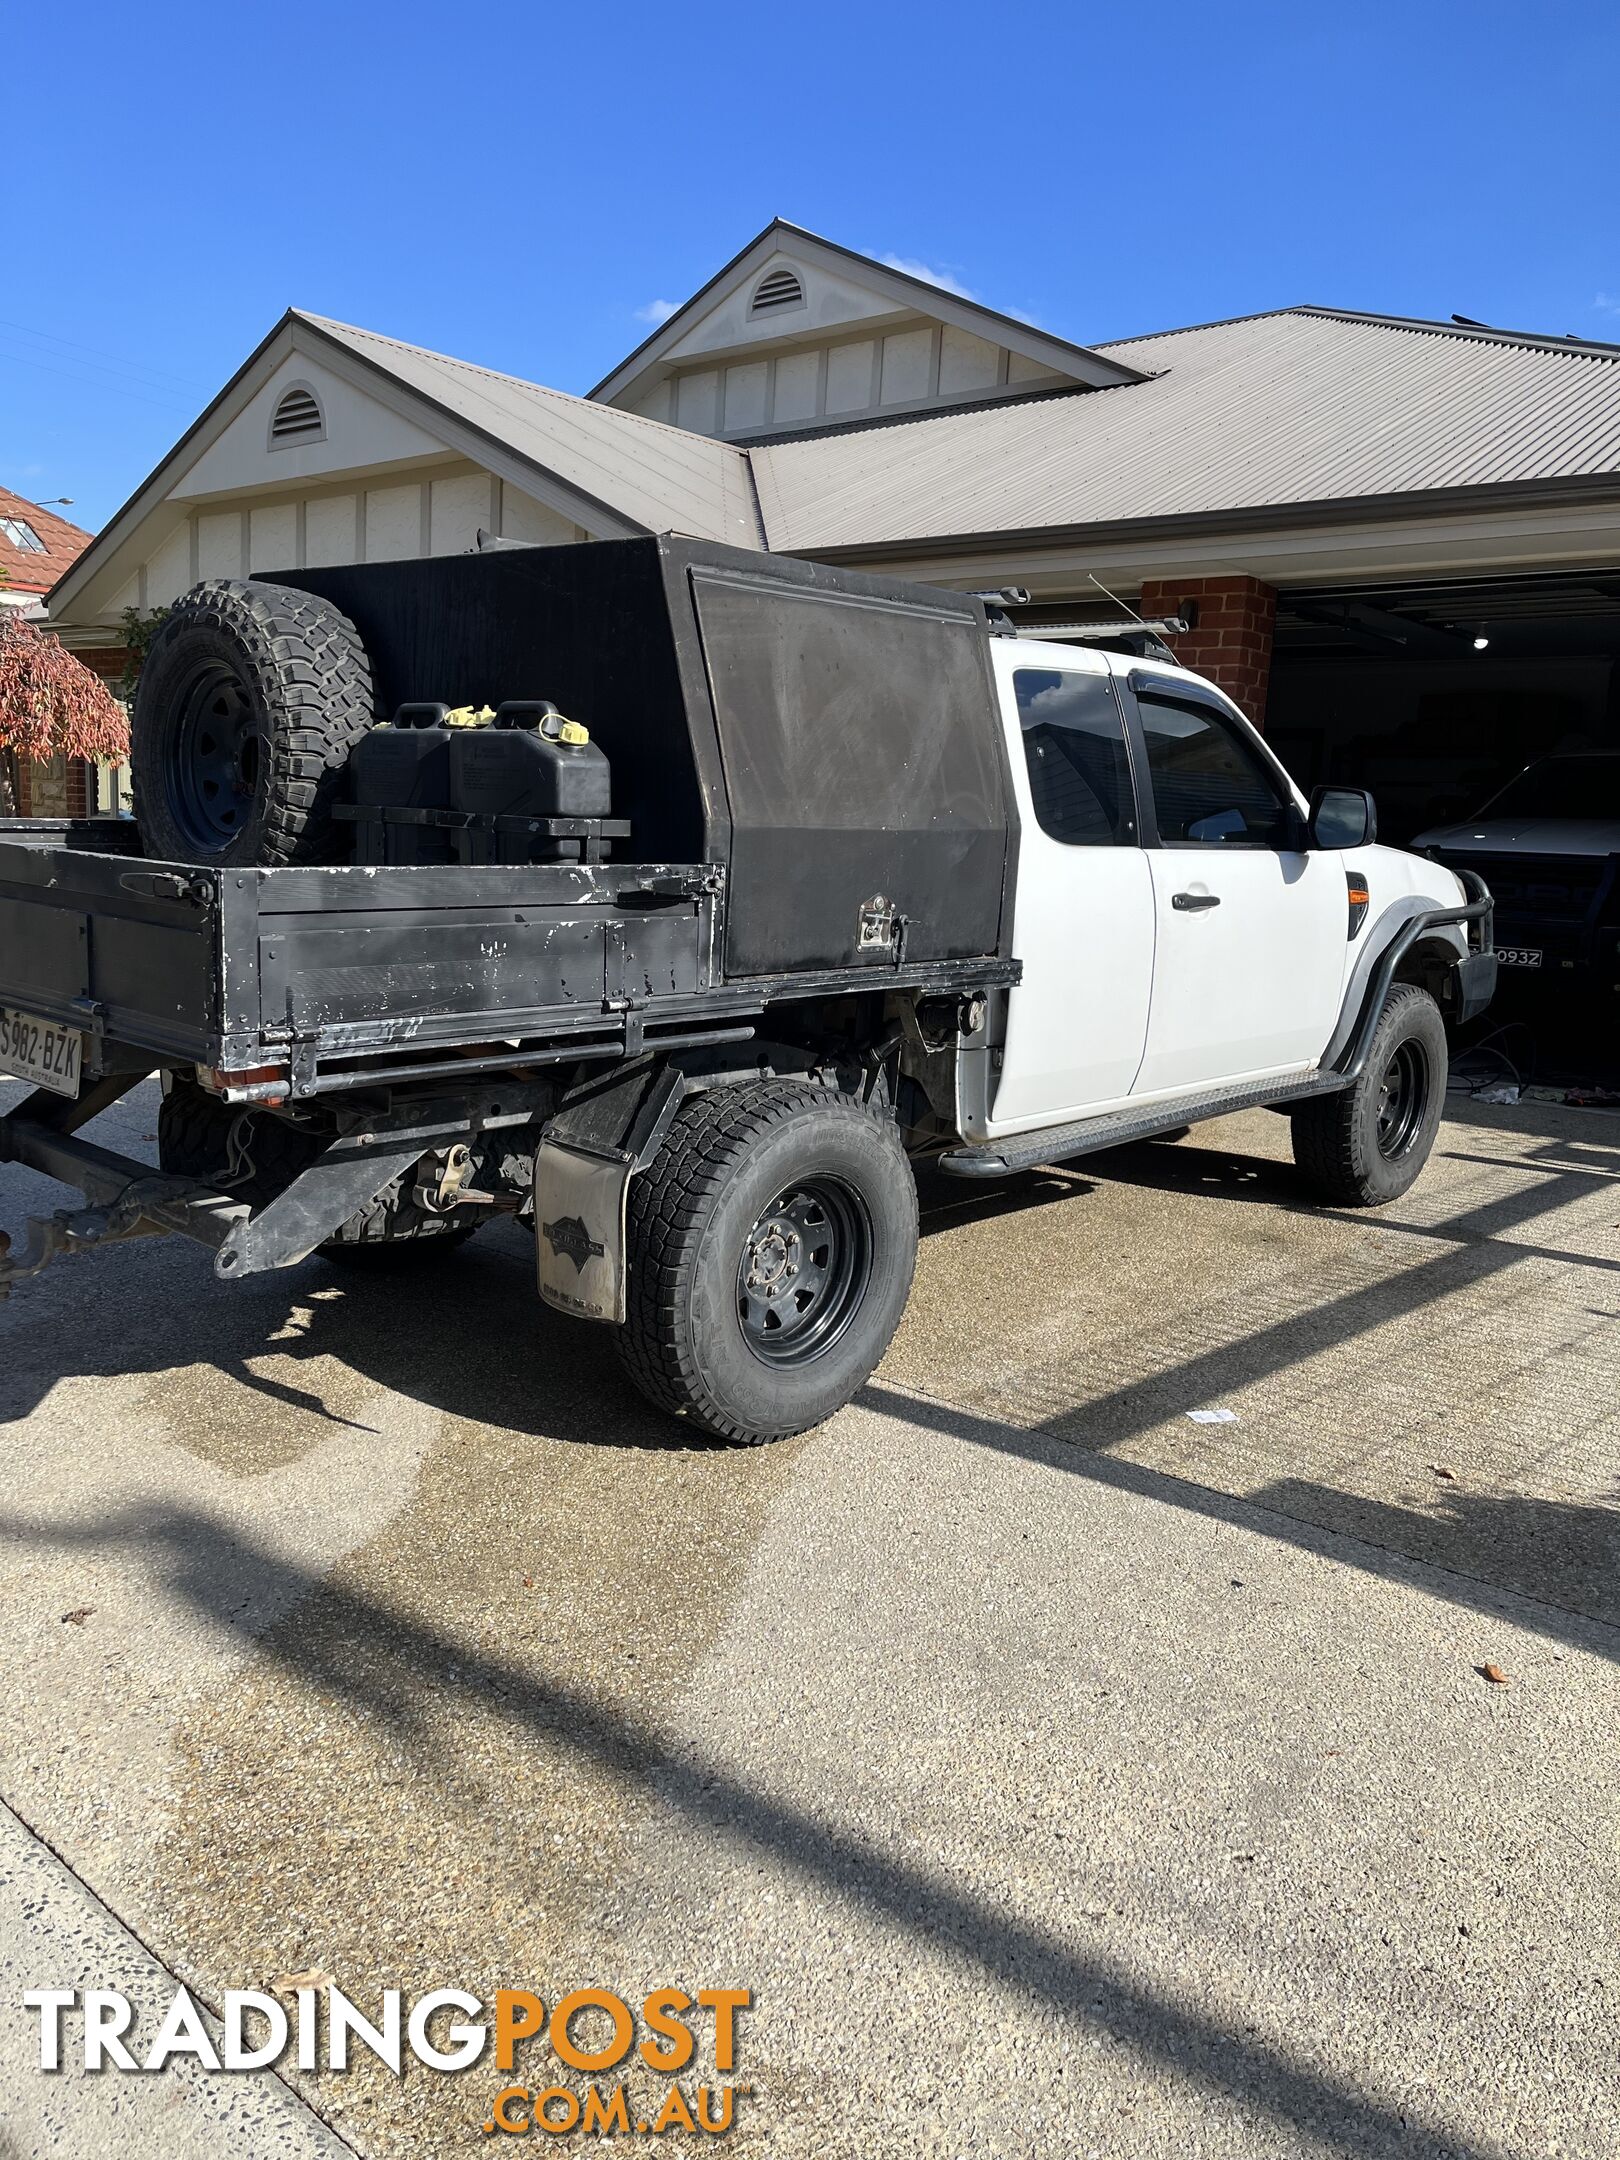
[336, 1642]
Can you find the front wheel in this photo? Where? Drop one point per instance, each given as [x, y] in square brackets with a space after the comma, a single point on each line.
[1366, 1145]
[771, 1248]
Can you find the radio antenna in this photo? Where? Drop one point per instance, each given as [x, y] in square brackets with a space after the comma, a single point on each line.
[1118, 602]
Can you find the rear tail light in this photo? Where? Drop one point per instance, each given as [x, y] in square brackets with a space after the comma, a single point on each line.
[252, 1083]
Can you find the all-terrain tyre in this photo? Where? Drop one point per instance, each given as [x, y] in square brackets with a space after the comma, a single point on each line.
[1366, 1146]
[250, 699]
[771, 1246]
[255, 1156]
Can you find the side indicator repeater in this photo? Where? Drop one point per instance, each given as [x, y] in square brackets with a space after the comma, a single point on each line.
[1360, 900]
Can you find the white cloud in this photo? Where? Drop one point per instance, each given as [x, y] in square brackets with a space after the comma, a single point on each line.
[944, 279]
[658, 311]
[1607, 303]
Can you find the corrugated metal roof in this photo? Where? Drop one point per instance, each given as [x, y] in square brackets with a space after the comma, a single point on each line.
[1302, 406]
[659, 477]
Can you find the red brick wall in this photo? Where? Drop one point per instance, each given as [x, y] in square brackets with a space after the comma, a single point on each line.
[1230, 641]
[107, 661]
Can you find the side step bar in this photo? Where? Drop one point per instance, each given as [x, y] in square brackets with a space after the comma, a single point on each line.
[1089, 1136]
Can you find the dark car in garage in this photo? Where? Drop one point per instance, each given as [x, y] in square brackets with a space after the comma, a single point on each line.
[1548, 846]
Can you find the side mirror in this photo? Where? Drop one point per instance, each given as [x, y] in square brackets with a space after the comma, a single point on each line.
[1342, 817]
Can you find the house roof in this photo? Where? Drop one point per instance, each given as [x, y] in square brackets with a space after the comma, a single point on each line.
[900, 286]
[1301, 407]
[659, 477]
[644, 474]
[1277, 417]
[24, 570]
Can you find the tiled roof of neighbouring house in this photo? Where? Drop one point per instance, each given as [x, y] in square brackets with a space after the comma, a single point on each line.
[24, 568]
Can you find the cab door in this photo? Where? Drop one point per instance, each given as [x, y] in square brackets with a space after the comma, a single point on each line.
[1083, 921]
[1251, 925]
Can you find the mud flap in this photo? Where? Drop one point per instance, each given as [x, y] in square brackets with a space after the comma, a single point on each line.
[579, 1216]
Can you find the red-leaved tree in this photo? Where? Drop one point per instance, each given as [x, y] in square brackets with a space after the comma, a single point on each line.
[50, 702]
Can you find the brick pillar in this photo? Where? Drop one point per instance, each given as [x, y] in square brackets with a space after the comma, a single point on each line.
[1230, 640]
[109, 662]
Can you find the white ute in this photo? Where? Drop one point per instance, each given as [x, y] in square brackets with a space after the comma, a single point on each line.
[1191, 931]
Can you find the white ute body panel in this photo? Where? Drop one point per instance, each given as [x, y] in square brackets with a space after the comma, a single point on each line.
[1129, 998]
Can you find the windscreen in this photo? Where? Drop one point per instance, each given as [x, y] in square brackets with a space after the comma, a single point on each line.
[1561, 787]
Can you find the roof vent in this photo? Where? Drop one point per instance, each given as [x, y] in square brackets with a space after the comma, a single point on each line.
[297, 418]
[777, 289]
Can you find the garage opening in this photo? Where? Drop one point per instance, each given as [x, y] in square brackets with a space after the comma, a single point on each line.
[1391, 688]
[1435, 695]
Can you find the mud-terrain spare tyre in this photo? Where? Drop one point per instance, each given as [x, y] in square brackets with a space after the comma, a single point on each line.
[771, 1245]
[250, 699]
[195, 1139]
[1367, 1144]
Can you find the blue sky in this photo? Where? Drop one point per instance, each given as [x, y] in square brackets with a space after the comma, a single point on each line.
[520, 185]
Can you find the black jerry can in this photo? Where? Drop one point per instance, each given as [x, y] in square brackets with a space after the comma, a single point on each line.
[529, 762]
[404, 766]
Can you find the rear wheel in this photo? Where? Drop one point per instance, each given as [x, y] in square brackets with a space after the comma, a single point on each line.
[1366, 1146]
[250, 700]
[771, 1248]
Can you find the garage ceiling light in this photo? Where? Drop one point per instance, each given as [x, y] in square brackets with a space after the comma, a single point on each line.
[1480, 643]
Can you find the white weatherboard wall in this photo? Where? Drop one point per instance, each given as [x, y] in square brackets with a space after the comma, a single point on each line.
[393, 523]
[219, 544]
[375, 487]
[829, 302]
[359, 434]
[907, 369]
[439, 513]
[840, 353]
[458, 506]
[330, 531]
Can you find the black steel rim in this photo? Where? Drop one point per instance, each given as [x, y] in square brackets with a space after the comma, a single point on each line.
[216, 756]
[1403, 1095]
[804, 1269]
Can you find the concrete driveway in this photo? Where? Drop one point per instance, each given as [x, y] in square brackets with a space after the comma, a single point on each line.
[1062, 1774]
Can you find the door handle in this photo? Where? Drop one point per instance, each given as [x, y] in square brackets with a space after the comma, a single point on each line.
[1191, 903]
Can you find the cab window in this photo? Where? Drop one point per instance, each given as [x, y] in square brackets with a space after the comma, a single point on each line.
[1210, 787]
[1074, 745]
